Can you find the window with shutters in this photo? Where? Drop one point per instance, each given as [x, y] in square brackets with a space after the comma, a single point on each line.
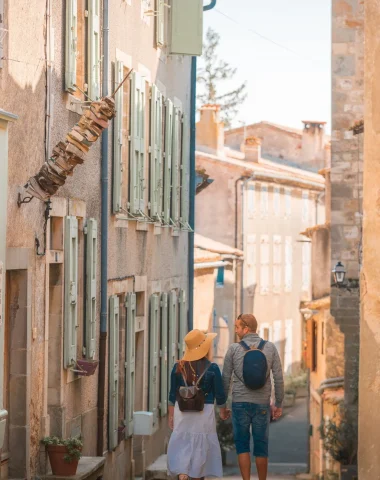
[288, 202]
[251, 203]
[114, 318]
[154, 353]
[172, 331]
[306, 266]
[276, 201]
[168, 161]
[264, 201]
[156, 153]
[305, 207]
[264, 264]
[176, 164]
[71, 291]
[277, 263]
[77, 72]
[185, 172]
[220, 277]
[91, 268]
[130, 363]
[288, 264]
[137, 146]
[182, 327]
[164, 356]
[251, 260]
[120, 187]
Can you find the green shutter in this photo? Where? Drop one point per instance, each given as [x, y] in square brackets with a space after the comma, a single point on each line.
[137, 156]
[185, 173]
[168, 160]
[154, 333]
[160, 23]
[156, 153]
[164, 356]
[113, 373]
[71, 45]
[182, 323]
[176, 153]
[186, 27]
[130, 358]
[71, 291]
[118, 140]
[91, 266]
[172, 340]
[93, 54]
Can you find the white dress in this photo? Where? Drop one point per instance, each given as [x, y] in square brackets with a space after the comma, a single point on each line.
[194, 447]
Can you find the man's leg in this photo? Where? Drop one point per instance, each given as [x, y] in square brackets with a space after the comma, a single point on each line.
[245, 465]
[262, 467]
[260, 433]
[241, 421]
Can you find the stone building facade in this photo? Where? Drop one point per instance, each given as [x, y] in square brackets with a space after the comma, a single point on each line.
[261, 206]
[50, 252]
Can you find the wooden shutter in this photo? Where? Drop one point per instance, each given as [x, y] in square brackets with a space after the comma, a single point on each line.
[288, 264]
[130, 358]
[172, 342]
[276, 201]
[118, 140]
[71, 291]
[160, 23]
[168, 160]
[154, 333]
[91, 267]
[251, 260]
[305, 207]
[277, 263]
[182, 323]
[309, 354]
[288, 202]
[185, 172]
[71, 45]
[164, 356]
[176, 153]
[113, 373]
[156, 153]
[264, 201]
[93, 54]
[137, 150]
[264, 264]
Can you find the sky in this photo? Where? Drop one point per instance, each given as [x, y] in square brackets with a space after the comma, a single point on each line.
[288, 77]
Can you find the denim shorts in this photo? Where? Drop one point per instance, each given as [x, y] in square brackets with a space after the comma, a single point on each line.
[245, 415]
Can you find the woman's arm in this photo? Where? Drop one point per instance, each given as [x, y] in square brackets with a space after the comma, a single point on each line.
[171, 417]
[173, 386]
[220, 395]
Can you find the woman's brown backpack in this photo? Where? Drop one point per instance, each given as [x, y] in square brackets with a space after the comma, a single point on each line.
[191, 399]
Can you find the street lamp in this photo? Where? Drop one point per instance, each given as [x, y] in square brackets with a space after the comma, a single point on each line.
[339, 273]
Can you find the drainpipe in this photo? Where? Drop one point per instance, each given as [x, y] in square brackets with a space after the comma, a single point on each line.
[104, 245]
[193, 101]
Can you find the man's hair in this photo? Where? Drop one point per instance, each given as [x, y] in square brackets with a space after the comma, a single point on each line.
[249, 321]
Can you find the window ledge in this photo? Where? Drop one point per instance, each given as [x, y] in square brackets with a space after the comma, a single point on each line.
[157, 229]
[175, 232]
[142, 226]
[89, 468]
[121, 221]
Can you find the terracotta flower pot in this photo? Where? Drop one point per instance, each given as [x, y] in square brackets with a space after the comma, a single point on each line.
[58, 465]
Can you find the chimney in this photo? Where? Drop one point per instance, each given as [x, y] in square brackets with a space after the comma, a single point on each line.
[252, 149]
[210, 130]
[313, 144]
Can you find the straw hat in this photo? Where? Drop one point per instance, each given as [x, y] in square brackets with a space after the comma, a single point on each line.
[197, 345]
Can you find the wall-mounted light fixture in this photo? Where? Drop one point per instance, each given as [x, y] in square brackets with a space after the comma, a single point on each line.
[339, 274]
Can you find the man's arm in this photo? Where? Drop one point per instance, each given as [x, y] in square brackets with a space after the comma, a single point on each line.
[278, 379]
[227, 371]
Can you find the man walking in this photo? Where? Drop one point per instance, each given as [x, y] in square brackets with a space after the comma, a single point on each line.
[252, 360]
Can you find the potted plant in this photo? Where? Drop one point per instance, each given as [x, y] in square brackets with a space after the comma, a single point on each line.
[340, 441]
[64, 454]
[225, 435]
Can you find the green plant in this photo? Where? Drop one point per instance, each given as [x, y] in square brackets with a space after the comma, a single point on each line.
[73, 445]
[292, 382]
[339, 436]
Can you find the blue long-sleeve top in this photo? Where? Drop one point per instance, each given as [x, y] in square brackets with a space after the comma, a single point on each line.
[211, 383]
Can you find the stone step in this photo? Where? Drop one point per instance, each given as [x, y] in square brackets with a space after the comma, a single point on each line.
[158, 469]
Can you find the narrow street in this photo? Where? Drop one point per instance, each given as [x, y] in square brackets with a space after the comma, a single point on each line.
[287, 446]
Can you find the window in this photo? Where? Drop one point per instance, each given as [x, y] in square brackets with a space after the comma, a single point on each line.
[264, 201]
[251, 260]
[251, 200]
[114, 314]
[176, 167]
[277, 263]
[220, 277]
[156, 153]
[288, 203]
[160, 23]
[306, 265]
[288, 264]
[265, 331]
[305, 207]
[276, 201]
[264, 264]
[154, 347]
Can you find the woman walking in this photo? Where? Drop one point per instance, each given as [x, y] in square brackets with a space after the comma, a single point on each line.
[196, 384]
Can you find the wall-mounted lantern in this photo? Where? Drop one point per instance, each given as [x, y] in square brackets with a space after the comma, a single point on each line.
[339, 274]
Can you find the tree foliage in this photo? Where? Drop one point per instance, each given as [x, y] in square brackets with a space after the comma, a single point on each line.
[212, 74]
